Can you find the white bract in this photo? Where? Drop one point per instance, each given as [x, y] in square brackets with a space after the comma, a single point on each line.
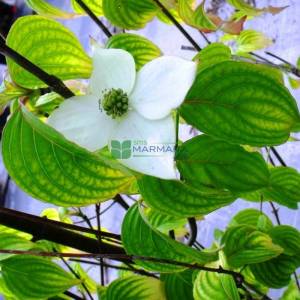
[124, 105]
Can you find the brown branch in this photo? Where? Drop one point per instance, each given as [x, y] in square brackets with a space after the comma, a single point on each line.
[42, 228]
[4, 212]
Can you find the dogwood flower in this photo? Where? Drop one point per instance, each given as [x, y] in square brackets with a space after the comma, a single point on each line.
[122, 105]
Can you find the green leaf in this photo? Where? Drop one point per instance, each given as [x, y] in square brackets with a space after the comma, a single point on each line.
[284, 187]
[251, 280]
[245, 245]
[129, 14]
[9, 91]
[94, 5]
[196, 18]
[251, 40]
[294, 83]
[245, 7]
[43, 8]
[4, 291]
[241, 103]
[179, 199]
[179, 286]
[49, 45]
[142, 50]
[135, 287]
[29, 277]
[252, 217]
[275, 273]
[139, 238]
[164, 223]
[210, 285]
[11, 231]
[54, 170]
[9, 241]
[212, 54]
[287, 237]
[48, 102]
[291, 293]
[206, 161]
[89, 282]
[172, 7]
[249, 10]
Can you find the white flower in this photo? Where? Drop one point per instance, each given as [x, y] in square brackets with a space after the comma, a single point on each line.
[141, 112]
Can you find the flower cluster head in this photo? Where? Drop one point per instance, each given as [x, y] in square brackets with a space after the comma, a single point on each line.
[115, 103]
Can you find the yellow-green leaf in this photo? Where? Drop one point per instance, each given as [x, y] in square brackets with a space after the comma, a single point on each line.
[179, 285]
[249, 10]
[129, 14]
[287, 237]
[284, 187]
[206, 161]
[252, 217]
[30, 278]
[212, 54]
[180, 199]
[241, 103]
[292, 292]
[43, 8]
[196, 18]
[142, 50]
[210, 285]
[139, 238]
[251, 40]
[10, 241]
[94, 5]
[54, 170]
[133, 287]
[275, 273]
[49, 45]
[245, 245]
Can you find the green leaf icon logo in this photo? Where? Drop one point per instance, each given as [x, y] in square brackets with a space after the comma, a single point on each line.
[121, 150]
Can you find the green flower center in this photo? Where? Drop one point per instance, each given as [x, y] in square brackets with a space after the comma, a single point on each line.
[115, 103]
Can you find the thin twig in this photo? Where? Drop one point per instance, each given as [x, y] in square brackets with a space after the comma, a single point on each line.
[73, 296]
[118, 198]
[275, 212]
[102, 212]
[193, 231]
[97, 208]
[131, 269]
[94, 18]
[177, 24]
[278, 156]
[293, 69]
[78, 277]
